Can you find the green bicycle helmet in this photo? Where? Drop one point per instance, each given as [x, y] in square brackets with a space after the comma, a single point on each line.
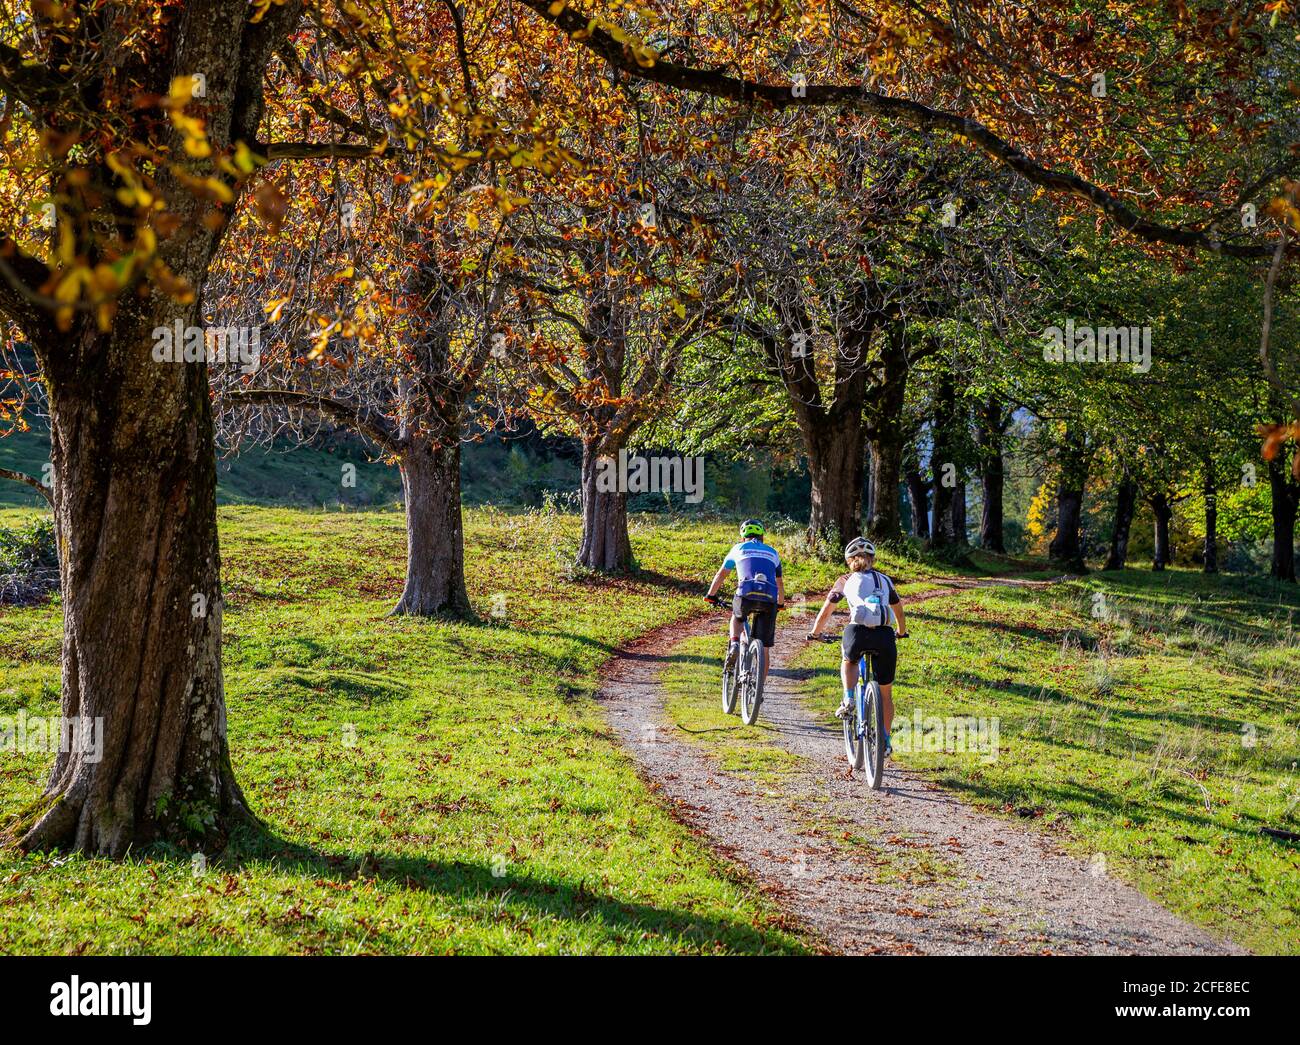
[751, 528]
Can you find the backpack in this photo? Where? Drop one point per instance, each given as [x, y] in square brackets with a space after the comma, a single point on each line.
[874, 610]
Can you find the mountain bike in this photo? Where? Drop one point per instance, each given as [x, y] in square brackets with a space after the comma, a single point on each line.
[864, 724]
[743, 679]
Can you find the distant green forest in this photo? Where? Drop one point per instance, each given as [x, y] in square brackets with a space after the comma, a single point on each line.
[522, 470]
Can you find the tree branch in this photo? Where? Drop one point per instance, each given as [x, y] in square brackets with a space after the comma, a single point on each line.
[902, 110]
[34, 483]
[373, 428]
[318, 150]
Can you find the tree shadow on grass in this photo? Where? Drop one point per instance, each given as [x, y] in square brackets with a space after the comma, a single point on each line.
[1102, 803]
[1112, 706]
[305, 686]
[512, 890]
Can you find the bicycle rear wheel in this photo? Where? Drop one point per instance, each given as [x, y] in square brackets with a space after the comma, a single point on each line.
[751, 690]
[873, 737]
[729, 684]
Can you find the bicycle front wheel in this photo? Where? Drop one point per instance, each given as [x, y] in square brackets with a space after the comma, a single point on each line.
[853, 747]
[873, 737]
[751, 690]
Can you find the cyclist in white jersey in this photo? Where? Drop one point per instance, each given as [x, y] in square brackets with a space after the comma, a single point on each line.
[874, 611]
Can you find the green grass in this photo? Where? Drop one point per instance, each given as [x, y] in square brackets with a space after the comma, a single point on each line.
[428, 786]
[432, 786]
[693, 702]
[1157, 727]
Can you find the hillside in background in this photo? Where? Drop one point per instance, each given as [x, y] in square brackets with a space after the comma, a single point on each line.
[524, 470]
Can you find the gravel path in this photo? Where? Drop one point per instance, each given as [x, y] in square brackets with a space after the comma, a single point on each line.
[908, 869]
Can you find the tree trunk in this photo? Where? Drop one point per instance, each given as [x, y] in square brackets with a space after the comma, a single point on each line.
[1125, 505]
[1067, 547]
[959, 513]
[869, 484]
[885, 435]
[835, 457]
[606, 546]
[884, 522]
[1163, 512]
[992, 477]
[435, 539]
[1211, 564]
[942, 463]
[918, 492]
[1286, 501]
[131, 443]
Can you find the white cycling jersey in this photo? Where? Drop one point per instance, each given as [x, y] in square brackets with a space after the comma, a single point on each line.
[871, 598]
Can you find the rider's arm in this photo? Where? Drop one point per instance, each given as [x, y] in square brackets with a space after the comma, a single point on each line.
[896, 604]
[828, 607]
[780, 590]
[718, 578]
[824, 614]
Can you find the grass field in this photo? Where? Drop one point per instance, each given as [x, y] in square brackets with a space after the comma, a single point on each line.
[431, 786]
[1155, 726]
[428, 786]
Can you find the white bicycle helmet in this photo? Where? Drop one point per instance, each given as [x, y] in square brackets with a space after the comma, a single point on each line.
[859, 546]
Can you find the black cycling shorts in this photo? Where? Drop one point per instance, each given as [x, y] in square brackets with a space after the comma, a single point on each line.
[763, 626]
[880, 643]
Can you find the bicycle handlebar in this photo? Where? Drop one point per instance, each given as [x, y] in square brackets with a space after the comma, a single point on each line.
[836, 638]
[724, 602]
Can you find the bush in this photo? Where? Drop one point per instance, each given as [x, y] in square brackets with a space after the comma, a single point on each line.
[29, 562]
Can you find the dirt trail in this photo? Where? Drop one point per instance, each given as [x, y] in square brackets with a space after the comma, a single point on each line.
[908, 869]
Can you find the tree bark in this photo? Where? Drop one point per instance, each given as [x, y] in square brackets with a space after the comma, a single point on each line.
[884, 522]
[606, 546]
[869, 484]
[1066, 547]
[1125, 505]
[131, 443]
[992, 476]
[942, 464]
[435, 539]
[885, 436]
[135, 509]
[835, 460]
[959, 513]
[918, 492]
[1211, 555]
[833, 433]
[1286, 502]
[1163, 512]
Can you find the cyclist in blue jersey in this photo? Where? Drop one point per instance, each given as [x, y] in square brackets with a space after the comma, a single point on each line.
[760, 589]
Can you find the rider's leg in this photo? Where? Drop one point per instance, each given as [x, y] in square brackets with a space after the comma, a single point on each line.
[849, 674]
[887, 706]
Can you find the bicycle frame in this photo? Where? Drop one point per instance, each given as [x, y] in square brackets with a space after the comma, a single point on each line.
[860, 692]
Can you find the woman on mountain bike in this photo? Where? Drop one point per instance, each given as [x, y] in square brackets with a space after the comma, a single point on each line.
[874, 610]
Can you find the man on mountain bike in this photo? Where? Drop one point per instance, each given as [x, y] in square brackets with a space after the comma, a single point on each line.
[760, 589]
[874, 609]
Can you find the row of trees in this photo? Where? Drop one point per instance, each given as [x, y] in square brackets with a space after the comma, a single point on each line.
[597, 216]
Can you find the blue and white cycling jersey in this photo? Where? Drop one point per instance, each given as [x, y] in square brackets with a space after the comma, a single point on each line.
[757, 567]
